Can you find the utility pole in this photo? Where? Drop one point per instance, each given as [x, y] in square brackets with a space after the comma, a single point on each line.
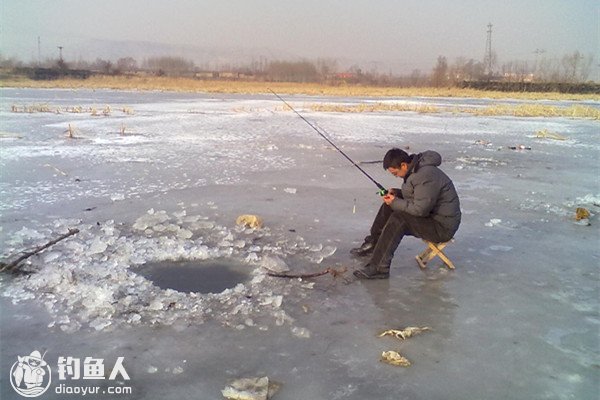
[60, 53]
[39, 52]
[487, 60]
[536, 67]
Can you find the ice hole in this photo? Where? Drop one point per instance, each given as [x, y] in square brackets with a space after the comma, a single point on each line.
[203, 276]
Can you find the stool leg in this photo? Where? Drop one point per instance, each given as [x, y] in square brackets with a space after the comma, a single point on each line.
[425, 256]
[438, 252]
[446, 260]
[420, 262]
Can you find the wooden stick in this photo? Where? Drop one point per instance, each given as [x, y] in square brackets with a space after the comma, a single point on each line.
[11, 265]
[313, 275]
[334, 272]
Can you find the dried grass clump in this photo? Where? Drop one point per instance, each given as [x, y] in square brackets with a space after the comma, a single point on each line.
[521, 110]
[537, 110]
[579, 111]
[70, 132]
[546, 134]
[45, 108]
[374, 107]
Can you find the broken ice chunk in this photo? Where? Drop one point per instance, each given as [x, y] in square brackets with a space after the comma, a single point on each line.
[239, 288]
[117, 197]
[277, 301]
[159, 228]
[51, 256]
[201, 225]
[281, 317]
[179, 214]
[315, 258]
[156, 305]
[99, 323]
[134, 318]
[177, 370]
[191, 218]
[274, 264]
[26, 233]
[173, 228]
[493, 222]
[71, 328]
[97, 246]
[301, 332]
[316, 247]
[328, 251]
[150, 219]
[184, 233]
[243, 309]
[257, 279]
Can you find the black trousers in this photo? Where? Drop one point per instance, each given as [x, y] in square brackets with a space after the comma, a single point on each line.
[389, 227]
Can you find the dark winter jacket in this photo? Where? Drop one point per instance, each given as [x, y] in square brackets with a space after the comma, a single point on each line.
[428, 192]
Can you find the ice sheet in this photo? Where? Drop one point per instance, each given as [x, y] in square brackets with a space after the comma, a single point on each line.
[517, 319]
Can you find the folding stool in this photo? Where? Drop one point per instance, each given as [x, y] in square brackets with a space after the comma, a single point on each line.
[434, 250]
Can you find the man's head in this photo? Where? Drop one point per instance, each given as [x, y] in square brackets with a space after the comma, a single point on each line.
[396, 162]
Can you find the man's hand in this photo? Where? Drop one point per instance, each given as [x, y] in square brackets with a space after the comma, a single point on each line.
[388, 198]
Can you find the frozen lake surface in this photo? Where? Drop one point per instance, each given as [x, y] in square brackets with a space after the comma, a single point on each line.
[517, 319]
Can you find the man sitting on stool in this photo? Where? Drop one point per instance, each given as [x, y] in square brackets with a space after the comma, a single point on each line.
[427, 207]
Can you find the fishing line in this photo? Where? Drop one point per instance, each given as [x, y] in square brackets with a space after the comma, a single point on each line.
[382, 190]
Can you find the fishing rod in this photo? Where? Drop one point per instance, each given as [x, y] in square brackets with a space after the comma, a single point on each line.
[382, 191]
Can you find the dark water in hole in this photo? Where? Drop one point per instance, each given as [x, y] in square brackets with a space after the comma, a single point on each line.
[204, 276]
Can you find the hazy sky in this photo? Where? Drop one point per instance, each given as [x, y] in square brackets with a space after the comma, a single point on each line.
[408, 32]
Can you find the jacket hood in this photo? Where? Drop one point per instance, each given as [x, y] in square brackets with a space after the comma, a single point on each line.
[427, 158]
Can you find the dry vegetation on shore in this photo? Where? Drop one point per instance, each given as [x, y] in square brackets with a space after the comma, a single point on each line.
[519, 110]
[249, 87]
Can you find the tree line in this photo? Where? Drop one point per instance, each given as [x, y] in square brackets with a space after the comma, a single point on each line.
[573, 68]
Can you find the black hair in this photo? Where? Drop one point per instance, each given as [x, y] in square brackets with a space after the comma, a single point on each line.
[394, 157]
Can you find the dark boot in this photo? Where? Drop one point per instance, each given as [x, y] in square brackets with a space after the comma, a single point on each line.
[365, 249]
[378, 224]
[383, 253]
[368, 272]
